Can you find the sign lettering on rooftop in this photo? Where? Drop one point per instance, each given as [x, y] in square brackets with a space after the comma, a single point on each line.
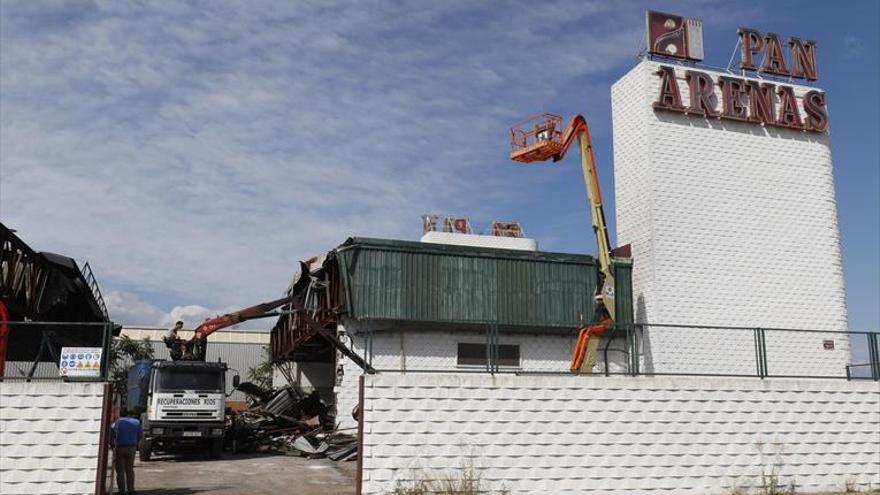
[462, 225]
[760, 102]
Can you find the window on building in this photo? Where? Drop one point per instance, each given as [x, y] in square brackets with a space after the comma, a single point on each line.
[475, 355]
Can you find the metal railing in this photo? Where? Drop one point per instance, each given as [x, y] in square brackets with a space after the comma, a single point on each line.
[653, 349]
[92, 282]
[36, 350]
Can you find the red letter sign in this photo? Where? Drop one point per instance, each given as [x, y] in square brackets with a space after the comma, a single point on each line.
[670, 98]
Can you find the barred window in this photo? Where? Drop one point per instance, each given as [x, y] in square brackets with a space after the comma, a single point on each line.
[476, 355]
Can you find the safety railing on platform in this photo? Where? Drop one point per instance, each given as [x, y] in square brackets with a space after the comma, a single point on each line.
[646, 349]
[42, 350]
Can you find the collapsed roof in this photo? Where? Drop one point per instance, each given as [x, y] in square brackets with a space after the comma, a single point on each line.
[41, 287]
[411, 286]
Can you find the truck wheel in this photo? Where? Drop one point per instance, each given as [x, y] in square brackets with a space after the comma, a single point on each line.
[146, 449]
[216, 448]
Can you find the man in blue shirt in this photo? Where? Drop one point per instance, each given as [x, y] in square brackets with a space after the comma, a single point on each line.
[127, 434]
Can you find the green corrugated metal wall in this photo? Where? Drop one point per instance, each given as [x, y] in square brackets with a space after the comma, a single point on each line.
[400, 280]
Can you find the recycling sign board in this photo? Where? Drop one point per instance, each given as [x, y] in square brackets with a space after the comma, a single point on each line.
[80, 362]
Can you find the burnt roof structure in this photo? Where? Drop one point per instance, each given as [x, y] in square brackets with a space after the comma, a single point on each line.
[416, 285]
[51, 288]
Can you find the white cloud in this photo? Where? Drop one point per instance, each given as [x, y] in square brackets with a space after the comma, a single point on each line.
[128, 309]
[193, 152]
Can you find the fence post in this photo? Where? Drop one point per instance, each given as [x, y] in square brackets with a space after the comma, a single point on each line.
[637, 360]
[105, 350]
[496, 353]
[488, 347]
[4, 337]
[874, 355]
[760, 353]
[757, 352]
[764, 351]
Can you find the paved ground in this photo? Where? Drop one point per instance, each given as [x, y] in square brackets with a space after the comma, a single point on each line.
[250, 474]
[191, 474]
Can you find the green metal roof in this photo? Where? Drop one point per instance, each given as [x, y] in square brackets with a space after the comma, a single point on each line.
[414, 281]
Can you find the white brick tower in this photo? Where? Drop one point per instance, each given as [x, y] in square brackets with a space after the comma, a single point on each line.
[732, 224]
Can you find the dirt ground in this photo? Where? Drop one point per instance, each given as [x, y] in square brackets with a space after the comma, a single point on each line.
[252, 474]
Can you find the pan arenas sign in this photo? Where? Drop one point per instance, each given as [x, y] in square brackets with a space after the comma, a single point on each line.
[748, 100]
[742, 99]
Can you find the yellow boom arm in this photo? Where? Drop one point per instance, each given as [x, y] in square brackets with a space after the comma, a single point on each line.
[578, 128]
[549, 145]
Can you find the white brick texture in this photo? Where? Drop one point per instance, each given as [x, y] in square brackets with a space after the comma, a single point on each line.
[576, 435]
[731, 224]
[49, 435]
[431, 350]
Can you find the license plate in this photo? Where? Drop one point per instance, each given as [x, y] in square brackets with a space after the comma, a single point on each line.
[192, 433]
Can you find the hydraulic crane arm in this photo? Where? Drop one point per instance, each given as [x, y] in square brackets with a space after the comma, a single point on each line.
[220, 322]
[195, 348]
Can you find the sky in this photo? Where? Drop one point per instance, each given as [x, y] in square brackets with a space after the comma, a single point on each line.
[193, 152]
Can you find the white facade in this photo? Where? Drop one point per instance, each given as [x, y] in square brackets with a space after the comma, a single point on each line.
[227, 335]
[488, 241]
[49, 437]
[731, 224]
[428, 350]
[530, 435]
[309, 376]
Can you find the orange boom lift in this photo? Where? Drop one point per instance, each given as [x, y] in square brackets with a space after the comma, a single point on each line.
[541, 138]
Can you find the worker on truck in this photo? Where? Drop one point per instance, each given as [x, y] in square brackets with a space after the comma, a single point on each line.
[173, 342]
[127, 433]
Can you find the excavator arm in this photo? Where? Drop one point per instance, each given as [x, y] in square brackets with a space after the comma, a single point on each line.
[548, 143]
[220, 322]
[194, 348]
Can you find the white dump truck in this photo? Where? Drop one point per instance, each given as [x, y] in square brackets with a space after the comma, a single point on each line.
[180, 403]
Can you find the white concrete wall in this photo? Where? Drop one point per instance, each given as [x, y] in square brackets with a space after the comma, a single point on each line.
[576, 435]
[309, 376]
[432, 350]
[49, 436]
[439, 350]
[346, 388]
[488, 241]
[731, 224]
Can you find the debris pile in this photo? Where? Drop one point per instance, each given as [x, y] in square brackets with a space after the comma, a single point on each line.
[288, 421]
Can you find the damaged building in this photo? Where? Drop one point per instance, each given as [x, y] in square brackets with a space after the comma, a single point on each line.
[47, 301]
[441, 307]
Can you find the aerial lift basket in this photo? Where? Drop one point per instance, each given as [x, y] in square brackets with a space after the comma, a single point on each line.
[537, 138]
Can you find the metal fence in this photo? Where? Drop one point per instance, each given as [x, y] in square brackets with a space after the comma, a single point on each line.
[38, 350]
[646, 349]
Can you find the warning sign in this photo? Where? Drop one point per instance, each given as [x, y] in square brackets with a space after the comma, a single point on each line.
[80, 362]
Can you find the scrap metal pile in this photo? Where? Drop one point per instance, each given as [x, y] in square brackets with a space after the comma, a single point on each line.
[288, 421]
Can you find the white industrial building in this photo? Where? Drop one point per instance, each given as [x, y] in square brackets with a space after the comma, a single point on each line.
[731, 223]
[439, 307]
[725, 195]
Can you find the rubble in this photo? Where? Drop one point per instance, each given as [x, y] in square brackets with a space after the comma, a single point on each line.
[288, 421]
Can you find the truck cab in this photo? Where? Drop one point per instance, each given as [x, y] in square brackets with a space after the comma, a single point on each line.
[181, 403]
